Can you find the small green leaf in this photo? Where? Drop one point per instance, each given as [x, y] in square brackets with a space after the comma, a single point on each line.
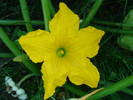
[126, 41]
[20, 58]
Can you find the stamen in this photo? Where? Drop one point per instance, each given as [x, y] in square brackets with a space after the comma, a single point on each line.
[61, 52]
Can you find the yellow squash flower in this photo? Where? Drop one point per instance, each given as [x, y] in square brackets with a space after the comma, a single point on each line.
[64, 51]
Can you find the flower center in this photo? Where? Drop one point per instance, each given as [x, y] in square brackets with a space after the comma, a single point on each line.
[61, 52]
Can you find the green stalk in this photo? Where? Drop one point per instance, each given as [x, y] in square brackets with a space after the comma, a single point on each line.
[6, 55]
[46, 13]
[128, 91]
[20, 22]
[113, 88]
[25, 78]
[40, 22]
[111, 23]
[125, 90]
[92, 13]
[10, 44]
[120, 31]
[26, 15]
[52, 10]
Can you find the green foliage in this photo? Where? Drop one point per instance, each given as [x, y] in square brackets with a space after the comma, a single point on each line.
[126, 41]
[113, 62]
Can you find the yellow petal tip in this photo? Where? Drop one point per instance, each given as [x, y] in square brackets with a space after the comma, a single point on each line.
[62, 4]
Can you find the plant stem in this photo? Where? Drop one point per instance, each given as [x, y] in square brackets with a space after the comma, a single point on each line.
[26, 15]
[92, 13]
[125, 90]
[120, 31]
[6, 55]
[128, 91]
[91, 93]
[113, 88]
[10, 44]
[46, 13]
[111, 23]
[40, 22]
[24, 78]
[52, 10]
[20, 22]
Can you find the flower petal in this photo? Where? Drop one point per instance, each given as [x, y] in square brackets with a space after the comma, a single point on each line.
[87, 41]
[84, 73]
[54, 75]
[64, 22]
[34, 44]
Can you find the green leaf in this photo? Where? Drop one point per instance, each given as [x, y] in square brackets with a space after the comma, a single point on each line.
[126, 41]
